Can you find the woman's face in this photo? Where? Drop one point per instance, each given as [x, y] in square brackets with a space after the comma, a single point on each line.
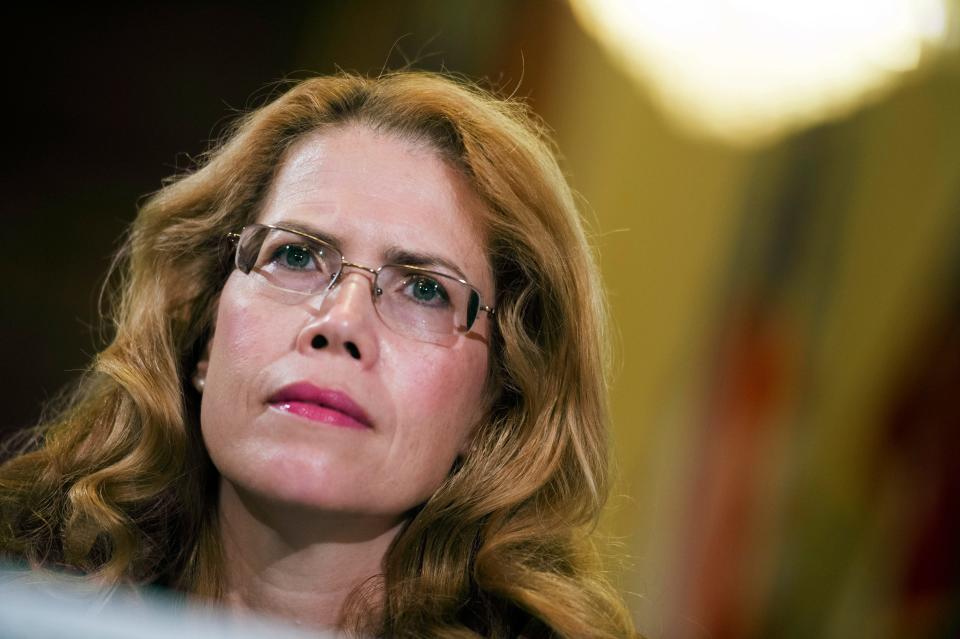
[375, 193]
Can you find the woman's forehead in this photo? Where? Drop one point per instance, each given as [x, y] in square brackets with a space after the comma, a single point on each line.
[375, 192]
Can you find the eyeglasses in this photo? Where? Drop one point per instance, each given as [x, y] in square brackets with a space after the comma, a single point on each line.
[413, 301]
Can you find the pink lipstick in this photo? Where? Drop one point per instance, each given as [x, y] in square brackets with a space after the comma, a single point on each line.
[320, 405]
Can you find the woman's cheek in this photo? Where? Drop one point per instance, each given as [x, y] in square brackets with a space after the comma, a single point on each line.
[444, 392]
[249, 331]
[244, 343]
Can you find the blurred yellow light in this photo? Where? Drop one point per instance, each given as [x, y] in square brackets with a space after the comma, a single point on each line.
[749, 71]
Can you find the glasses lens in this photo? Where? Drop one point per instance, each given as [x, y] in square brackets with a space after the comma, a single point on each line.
[423, 304]
[419, 303]
[287, 260]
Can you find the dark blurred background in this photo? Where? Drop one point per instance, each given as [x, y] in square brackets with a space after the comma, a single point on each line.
[786, 290]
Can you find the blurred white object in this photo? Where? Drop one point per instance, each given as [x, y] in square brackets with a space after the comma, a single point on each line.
[748, 71]
[41, 606]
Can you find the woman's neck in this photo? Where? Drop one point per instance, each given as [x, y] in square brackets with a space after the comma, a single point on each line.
[297, 564]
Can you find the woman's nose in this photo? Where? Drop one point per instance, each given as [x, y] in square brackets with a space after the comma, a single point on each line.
[344, 323]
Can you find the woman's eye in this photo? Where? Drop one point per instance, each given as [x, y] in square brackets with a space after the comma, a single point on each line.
[293, 256]
[426, 290]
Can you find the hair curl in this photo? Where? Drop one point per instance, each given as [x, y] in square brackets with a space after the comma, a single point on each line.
[118, 484]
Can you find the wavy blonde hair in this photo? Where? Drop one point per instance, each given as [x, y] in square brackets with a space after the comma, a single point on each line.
[118, 484]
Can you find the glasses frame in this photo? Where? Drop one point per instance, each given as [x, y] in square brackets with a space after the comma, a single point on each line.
[376, 291]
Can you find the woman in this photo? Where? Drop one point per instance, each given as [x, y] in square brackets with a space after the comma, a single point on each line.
[358, 379]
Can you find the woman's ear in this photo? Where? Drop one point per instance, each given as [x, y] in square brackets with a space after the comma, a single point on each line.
[199, 378]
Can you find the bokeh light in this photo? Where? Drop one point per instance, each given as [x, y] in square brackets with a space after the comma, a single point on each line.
[749, 71]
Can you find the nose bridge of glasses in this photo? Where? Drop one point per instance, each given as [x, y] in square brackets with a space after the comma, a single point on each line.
[351, 293]
[365, 272]
[352, 279]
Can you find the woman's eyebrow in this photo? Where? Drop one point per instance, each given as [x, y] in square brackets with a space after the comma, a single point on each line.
[329, 238]
[393, 255]
[397, 255]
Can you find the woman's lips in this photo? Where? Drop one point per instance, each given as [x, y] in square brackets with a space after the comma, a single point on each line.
[319, 414]
[321, 405]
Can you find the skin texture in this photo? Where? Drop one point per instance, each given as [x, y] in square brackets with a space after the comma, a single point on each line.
[308, 509]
